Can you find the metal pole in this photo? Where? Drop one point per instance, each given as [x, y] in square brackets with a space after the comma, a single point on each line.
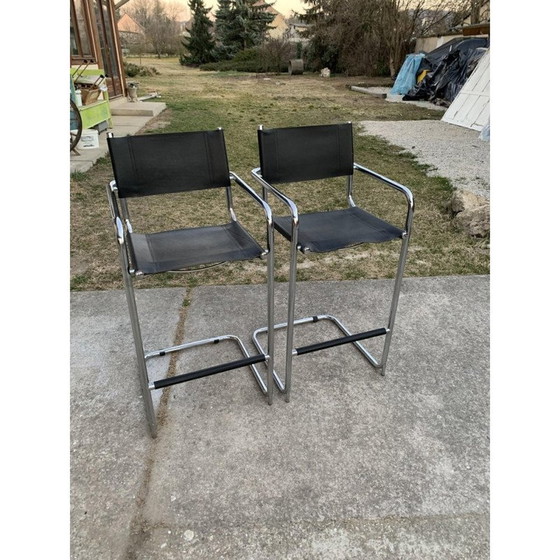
[270, 313]
[291, 309]
[395, 301]
[137, 335]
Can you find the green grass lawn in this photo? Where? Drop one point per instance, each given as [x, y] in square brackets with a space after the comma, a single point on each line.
[239, 103]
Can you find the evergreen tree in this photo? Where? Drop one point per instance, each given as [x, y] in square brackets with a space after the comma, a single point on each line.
[224, 22]
[200, 43]
[240, 25]
[324, 33]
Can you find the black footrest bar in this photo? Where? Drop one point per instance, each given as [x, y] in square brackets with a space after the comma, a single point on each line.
[160, 384]
[339, 341]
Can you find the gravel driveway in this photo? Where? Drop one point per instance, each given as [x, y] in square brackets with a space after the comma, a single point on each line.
[452, 151]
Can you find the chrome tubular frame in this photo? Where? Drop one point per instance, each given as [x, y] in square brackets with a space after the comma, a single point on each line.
[402, 258]
[128, 272]
[269, 253]
[132, 309]
[204, 342]
[349, 185]
[285, 386]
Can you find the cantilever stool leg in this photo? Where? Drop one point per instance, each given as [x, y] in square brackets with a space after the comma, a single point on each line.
[302, 154]
[159, 164]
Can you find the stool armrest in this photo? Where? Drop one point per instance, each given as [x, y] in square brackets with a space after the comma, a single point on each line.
[279, 195]
[254, 196]
[397, 186]
[115, 214]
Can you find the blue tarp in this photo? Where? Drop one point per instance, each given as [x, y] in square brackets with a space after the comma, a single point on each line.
[406, 78]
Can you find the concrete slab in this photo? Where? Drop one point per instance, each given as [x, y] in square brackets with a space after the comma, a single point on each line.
[370, 91]
[125, 108]
[385, 93]
[356, 466]
[125, 122]
[109, 448]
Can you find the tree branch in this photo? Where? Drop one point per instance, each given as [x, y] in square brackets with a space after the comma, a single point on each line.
[121, 4]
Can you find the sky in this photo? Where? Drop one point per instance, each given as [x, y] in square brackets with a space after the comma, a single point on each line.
[285, 7]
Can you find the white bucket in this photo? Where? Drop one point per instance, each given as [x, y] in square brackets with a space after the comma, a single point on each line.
[89, 139]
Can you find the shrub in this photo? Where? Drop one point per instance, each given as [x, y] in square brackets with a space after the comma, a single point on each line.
[248, 60]
[132, 70]
[275, 54]
[272, 56]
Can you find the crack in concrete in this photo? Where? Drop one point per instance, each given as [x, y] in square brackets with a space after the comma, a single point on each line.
[139, 529]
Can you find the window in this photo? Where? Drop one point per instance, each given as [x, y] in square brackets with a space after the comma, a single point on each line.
[81, 42]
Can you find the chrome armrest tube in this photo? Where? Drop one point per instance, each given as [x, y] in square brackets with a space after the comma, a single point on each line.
[118, 224]
[120, 230]
[280, 196]
[112, 197]
[264, 205]
[397, 186]
[115, 213]
[254, 196]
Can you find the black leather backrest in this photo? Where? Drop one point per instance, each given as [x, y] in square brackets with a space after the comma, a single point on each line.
[165, 163]
[305, 153]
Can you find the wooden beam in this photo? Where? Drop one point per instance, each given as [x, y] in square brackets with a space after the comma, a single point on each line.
[120, 4]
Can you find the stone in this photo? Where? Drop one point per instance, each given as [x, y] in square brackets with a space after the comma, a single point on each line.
[470, 212]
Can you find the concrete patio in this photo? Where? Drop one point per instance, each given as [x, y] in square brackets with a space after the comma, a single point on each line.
[127, 118]
[355, 466]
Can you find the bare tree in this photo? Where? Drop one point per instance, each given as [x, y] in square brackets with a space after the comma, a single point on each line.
[403, 20]
[476, 10]
[159, 21]
[375, 34]
[174, 9]
[275, 53]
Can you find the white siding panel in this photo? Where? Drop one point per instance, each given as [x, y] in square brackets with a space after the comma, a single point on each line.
[471, 107]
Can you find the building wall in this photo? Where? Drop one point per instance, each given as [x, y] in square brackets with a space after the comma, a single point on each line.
[428, 44]
[280, 27]
[294, 32]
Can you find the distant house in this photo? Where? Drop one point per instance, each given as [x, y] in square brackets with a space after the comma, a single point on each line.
[278, 23]
[131, 33]
[295, 31]
[127, 24]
